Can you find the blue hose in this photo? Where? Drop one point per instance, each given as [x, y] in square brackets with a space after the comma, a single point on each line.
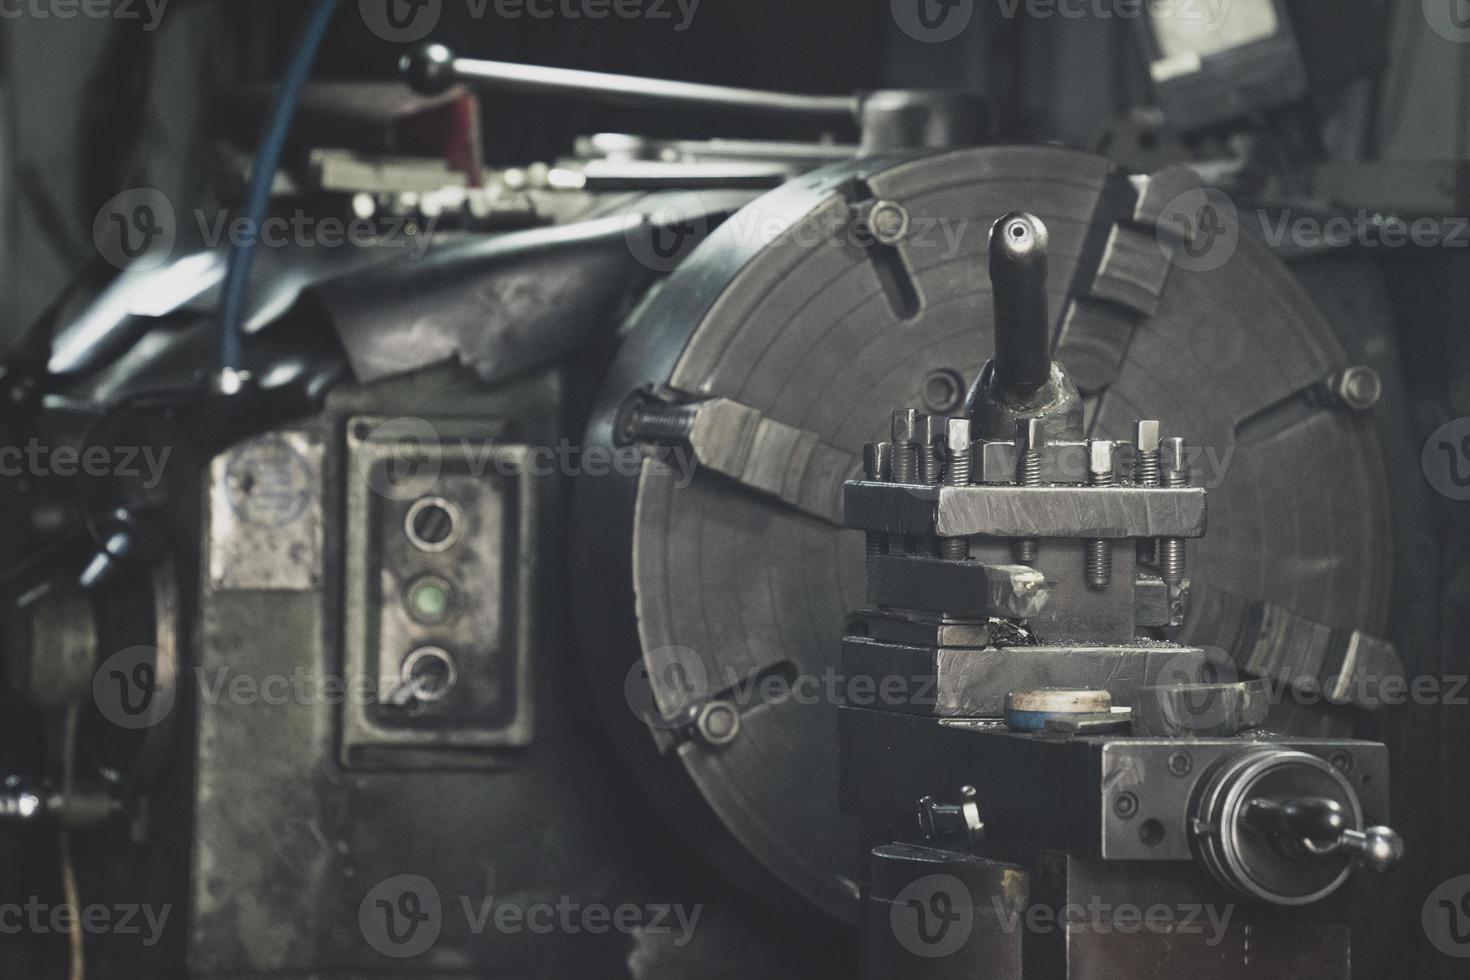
[262, 176]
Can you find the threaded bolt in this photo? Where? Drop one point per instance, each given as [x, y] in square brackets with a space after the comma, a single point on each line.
[931, 470]
[652, 422]
[1099, 560]
[905, 446]
[904, 467]
[957, 455]
[1175, 465]
[1030, 441]
[1146, 474]
[931, 462]
[877, 465]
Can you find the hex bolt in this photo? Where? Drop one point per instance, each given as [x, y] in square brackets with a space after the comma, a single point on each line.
[1357, 388]
[904, 467]
[877, 466]
[931, 462]
[887, 222]
[1101, 457]
[1174, 461]
[1030, 441]
[957, 454]
[1146, 474]
[906, 446]
[931, 469]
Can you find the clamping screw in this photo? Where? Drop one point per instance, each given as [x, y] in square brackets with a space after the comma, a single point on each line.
[1146, 474]
[644, 419]
[930, 436]
[877, 466]
[1099, 562]
[904, 467]
[1030, 441]
[1175, 464]
[931, 461]
[957, 454]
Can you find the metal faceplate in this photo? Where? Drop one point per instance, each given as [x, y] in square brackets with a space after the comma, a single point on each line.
[822, 334]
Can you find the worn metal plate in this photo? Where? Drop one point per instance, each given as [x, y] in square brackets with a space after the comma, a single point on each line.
[265, 514]
[481, 567]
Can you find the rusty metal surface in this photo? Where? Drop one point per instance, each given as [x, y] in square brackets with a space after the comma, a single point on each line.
[265, 514]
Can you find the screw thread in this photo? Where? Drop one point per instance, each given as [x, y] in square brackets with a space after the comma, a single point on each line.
[931, 465]
[1171, 550]
[905, 462]
[662, 422]
[1026, 549]
[1146, 469]
[1099, 551]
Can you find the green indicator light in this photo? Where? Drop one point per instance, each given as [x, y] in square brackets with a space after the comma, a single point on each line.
[429, 599]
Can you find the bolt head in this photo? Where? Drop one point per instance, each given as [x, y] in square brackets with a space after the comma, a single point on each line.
[889, 222]
[930, 429]
[957, 435]
[1174, 456]
[1032, 433]
[1146, 436]
[1102, 456]
[718, 723]
[878, 460]
[905, 426]
[1359, 388]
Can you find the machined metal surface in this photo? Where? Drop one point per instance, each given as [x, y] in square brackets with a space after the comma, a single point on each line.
[1040, 511]
[958, 588]
[965, 683]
